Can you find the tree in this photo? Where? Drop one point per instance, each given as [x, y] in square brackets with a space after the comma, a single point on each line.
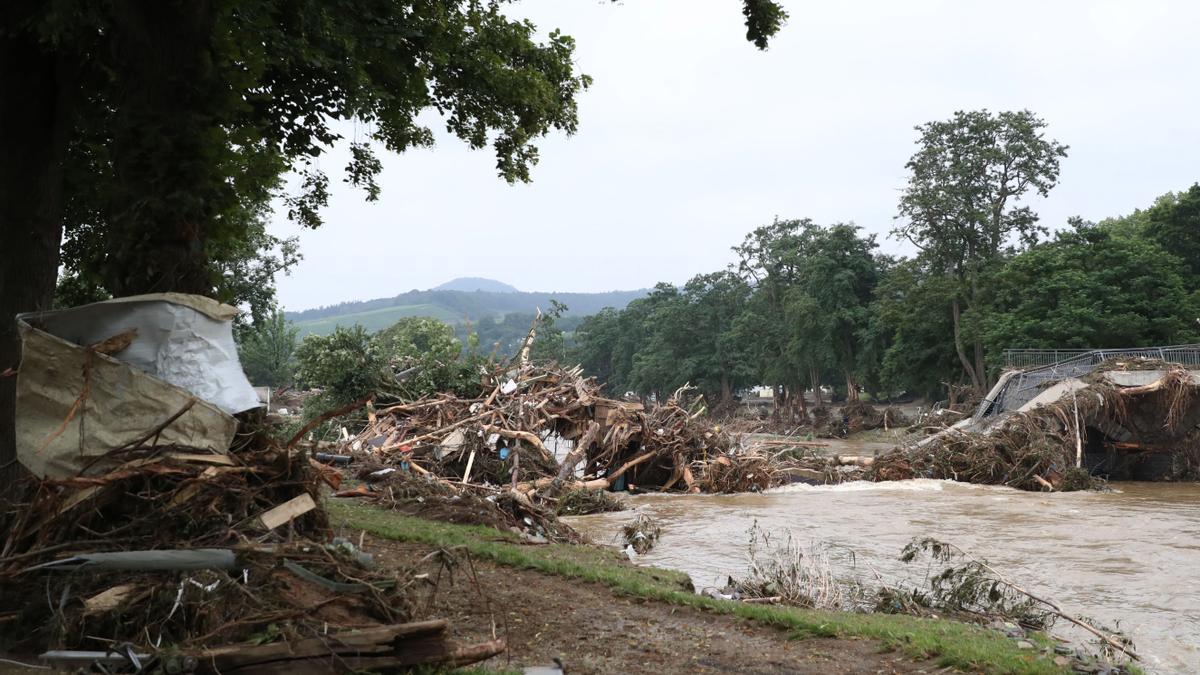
[830, 303]
[1090, 288]
[1174, 223]
[267, 351]
[346, 364]
[160, 127]
[429, 346]
[769, 260]
[961, 206]
[715, 353]
[909, 314]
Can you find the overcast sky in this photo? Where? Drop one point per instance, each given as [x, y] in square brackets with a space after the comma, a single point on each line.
[690, 138]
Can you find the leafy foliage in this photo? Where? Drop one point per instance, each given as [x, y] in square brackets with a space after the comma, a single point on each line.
[415, 357]
[267, 351]
[1090, 288]
[347, 365]
[430, 347]
[960, 208]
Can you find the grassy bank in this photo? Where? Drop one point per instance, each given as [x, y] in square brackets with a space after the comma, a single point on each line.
[950, 643]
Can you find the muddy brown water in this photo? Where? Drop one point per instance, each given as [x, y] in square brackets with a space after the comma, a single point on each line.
[1131, 555]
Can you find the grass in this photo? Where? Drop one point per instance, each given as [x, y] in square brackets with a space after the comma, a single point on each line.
[950, 643]
[375, 319]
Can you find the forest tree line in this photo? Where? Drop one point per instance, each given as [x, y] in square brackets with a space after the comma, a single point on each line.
[808, 304]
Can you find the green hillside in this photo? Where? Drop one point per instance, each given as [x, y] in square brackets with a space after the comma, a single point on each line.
[375, 319]
[452, 306]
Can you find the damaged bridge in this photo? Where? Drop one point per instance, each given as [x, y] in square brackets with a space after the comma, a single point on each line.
[1140, 440]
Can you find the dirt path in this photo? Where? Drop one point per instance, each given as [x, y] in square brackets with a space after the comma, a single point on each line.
[594, 630]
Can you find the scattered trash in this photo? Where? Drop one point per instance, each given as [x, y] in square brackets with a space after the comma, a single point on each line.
[337, 460]
[641, 534]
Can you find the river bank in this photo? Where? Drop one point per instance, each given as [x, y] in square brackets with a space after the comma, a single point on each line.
[1120, 556]
[598, 613]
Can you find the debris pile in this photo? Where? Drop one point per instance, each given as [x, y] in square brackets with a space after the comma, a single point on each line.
[1097, 425]
[182, 560]
[641, 534]
[156, 532]
[543, 431]
[822, 421]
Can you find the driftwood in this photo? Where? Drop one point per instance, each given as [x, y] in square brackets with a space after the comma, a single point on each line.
[577, 454]
[328, 415]
[396, 646]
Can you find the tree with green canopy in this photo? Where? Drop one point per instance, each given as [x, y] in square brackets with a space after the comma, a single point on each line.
[267, 351]
[155, 132]
[1090, 288]
[1174, 223]
[962, 205]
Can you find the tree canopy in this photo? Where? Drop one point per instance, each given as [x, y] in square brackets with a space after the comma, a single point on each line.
[154, 134]
[961, 207]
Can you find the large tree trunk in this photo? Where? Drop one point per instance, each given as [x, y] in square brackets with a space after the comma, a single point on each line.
[814, 378]
[962, 351]
[38, 88]
[851, 387]
[726, 391]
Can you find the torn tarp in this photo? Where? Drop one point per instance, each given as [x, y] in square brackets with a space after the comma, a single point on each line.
[75, 404]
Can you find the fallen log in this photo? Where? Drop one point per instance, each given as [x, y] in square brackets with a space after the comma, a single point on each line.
[594, 484]
[372, 649]
[577, 454]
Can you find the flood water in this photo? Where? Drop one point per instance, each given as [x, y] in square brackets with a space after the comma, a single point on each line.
[1131, 555]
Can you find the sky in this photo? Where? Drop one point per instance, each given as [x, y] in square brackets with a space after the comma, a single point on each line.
[690, 138]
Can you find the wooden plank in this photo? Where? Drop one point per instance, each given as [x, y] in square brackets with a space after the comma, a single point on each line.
[223, 460]
[288, 510]
[108, 600]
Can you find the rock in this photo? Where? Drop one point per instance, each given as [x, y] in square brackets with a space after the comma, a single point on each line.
[1061, 661]
[1024, 644]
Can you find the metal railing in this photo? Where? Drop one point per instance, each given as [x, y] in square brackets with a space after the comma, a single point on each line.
[1025, 384]
[1033, 358]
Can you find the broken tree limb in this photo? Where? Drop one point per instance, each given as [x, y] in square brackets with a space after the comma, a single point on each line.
[577, 454]
[530, 337]
[327, 415]
[1043, 482]
[526, 436]
[595, 484]
[851, 460]
[1058, 610]
[435, 434]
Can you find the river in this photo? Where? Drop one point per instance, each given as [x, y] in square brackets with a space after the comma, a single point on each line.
[1131, 555]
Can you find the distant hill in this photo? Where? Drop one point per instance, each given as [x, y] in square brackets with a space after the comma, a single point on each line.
[472, 284]
[455, 307]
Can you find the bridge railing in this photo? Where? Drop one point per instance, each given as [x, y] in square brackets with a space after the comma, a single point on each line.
[1039, 367]
[1188, 355]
